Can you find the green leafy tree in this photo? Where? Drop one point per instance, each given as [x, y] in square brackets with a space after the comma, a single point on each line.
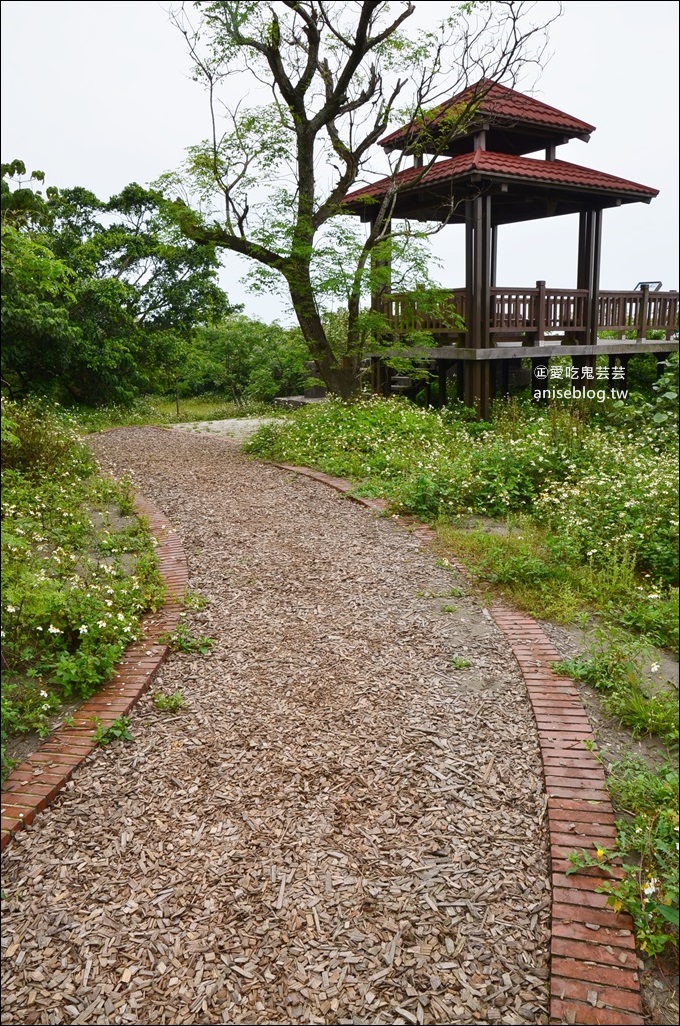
[37, 288]
[99, 299]
[246, 359]
[142, 287]
[270, 181]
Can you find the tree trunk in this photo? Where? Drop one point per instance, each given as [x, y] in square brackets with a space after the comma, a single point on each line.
[341, 376]
[344, 380]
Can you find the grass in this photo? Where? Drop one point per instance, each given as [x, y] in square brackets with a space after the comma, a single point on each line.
[162, 410]
[549, 579]
[622, 670]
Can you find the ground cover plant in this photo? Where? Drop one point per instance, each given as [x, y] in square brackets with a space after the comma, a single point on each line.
[78, 569]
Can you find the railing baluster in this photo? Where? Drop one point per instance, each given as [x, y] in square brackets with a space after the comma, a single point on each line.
[540, 310]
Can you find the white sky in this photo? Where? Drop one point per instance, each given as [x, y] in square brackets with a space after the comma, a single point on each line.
[100, 94]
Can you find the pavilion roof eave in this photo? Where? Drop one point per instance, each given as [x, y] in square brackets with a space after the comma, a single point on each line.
[534, 137]
[574, 199]
[580, 187]
[499, 104]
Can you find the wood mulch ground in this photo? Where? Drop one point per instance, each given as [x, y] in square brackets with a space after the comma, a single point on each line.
[340, 827]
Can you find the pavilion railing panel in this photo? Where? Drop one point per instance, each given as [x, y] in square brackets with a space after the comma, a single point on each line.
[619, 311]
[513, 310]
[536, 311]
[639, 311]
[436, 315]
[566, 309]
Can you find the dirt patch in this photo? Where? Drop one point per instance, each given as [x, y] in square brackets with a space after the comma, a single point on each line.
[238, 429]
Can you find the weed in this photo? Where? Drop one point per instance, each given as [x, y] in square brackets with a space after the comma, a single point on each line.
[460, 663]
[169, 703]
[180, 640]
[449, 609]
[116, 731]
[192, 600]
[616, 666]
[646, 846]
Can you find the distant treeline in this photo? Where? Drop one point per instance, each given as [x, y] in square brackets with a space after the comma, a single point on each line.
[104, 301]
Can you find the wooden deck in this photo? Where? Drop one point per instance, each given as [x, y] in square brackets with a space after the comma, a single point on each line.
[536, 314]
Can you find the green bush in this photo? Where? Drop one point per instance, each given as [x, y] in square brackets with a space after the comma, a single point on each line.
[75, 578]
[38, 437]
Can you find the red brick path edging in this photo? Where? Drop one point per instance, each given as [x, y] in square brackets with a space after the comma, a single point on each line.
[593, 970]
[34, 785]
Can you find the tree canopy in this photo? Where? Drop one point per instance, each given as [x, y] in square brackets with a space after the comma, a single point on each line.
[320, 82]
[98, 298]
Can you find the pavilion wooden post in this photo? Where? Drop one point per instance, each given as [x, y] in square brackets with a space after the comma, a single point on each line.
[478, 271]
[541, 311]
[494, 256]
[442, 369]
[594, 285]
[584, 271]
[644, 313]
[588, 271]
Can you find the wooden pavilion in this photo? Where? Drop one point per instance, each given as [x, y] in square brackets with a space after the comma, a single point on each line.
[480, 176]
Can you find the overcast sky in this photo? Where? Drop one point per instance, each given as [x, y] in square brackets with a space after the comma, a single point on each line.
[100, 94]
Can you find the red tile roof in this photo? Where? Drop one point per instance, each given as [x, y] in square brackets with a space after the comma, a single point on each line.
[494, 99]
[504, 165]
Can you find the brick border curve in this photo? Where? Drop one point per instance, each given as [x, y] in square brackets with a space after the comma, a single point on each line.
[34, 785]
[593, 964]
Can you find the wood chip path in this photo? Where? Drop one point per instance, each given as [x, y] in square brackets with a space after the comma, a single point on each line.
[339, 828]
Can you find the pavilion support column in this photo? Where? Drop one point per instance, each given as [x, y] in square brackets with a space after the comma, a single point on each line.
[594, 286]
[478, 390]
[381, 377]
[581, 363]
[584, 271]
[493, 262]
[504, 375]
[470, 335]
[375, 375]
[478, 246]
[460, 380]
[488, 271]
[478, 260]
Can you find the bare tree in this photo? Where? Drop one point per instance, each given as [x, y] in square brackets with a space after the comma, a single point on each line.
[318, 84]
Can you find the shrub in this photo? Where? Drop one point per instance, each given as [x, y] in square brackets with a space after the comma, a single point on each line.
[75, 579]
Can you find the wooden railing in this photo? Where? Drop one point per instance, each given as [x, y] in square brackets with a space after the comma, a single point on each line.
[536, 311]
